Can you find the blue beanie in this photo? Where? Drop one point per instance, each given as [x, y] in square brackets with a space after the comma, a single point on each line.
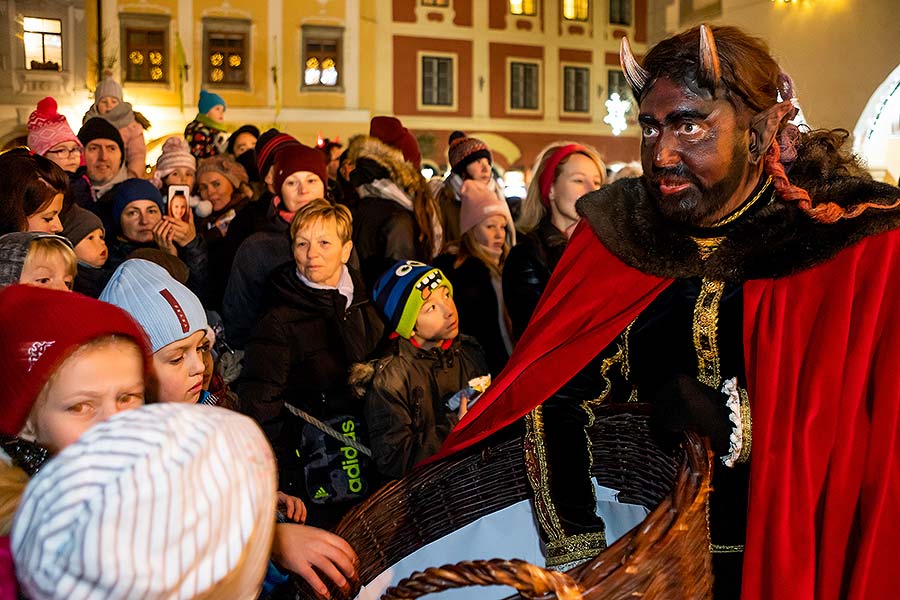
[208, 100]
[403, 289]
[128, 191]
[165, 309]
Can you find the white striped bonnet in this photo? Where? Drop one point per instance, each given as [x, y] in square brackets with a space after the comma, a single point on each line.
[164, 501]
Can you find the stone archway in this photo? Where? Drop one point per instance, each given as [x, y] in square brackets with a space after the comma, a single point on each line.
[876, 137]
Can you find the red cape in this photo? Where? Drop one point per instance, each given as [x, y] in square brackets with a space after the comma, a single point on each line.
[822, 352]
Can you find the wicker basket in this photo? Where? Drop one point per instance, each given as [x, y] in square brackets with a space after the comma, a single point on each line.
[666, 556]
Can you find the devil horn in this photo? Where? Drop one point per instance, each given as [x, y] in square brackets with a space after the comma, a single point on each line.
[636, 75]
[710, 71]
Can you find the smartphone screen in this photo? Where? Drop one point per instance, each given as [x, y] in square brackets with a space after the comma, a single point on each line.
[178, 202]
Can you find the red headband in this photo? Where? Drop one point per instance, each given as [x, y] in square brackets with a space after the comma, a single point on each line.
[546, 180]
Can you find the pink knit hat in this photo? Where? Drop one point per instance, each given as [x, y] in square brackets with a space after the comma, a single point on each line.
[175, 153]
[479, 203]
[47, 128]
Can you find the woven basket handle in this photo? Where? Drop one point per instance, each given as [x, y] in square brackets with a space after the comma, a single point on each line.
[529, 580]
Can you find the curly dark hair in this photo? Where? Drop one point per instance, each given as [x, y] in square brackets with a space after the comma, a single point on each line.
[28, 183]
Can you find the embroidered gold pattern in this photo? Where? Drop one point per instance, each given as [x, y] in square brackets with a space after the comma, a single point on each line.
[706, 319]
[561, 548]
[706, 247]
[746, 427]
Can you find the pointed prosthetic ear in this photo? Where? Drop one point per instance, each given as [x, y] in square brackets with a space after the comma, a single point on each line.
[764, 128]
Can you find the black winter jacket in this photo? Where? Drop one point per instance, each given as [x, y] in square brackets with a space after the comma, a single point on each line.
[527, 271]
[406, 406]
[383, 233]
[478, 306]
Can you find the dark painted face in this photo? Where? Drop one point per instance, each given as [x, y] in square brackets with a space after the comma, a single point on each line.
[694, 150]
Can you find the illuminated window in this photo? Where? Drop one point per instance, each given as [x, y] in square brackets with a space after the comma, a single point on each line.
[322, 50]
[576, 10]
[524, 86]
[620, 12]
[226, 52]
[43, 44]
[576, 90]
[435, 2]
[437, 81]
[523, 7]
[146, 48]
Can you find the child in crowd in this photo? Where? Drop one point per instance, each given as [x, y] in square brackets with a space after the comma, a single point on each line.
[177, 166]
[50, 136]
[206, 133]
[428, 363]
[475, 266]
[38, 259]
[32, 190]
[85, 231]
[174, 321]
[109, 104]
[244, 138]
[180, 506]
[470, 159]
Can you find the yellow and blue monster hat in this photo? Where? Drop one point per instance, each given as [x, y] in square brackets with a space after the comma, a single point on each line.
[402, 290]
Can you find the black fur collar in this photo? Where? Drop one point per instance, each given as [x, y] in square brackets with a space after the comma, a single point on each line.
[774, 240]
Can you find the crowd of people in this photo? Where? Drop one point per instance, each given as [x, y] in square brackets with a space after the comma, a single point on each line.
[263, 332]
[255, 274]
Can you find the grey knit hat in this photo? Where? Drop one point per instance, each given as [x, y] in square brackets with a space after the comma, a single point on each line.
[14, 249]
[168, 311]
[78, 223]
[107, 87]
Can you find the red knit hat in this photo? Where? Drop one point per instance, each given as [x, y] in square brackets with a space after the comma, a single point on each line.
[299, 157]
[392, 132]
[268, 145]
[39, 328]
[47, 128]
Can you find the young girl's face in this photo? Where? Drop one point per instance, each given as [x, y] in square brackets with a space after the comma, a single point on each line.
[92, 249]
[106, 104]
[90, 386]
[491, 235]
[181, 176]
[216, 113]
[47, 269]
[46, 220]
[179, 369]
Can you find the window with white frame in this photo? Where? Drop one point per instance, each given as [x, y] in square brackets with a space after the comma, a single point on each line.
[576, 89]
[523, 7]
[437, 80]
[322, 57]
[620, 12]
[576, 10]
[524, 85]
[226, 52]
[43, 43]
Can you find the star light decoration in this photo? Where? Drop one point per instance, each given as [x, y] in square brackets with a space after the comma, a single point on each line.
[615, 113]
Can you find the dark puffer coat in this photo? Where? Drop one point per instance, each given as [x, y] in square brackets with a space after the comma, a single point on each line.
[406, 406]
[301, 352]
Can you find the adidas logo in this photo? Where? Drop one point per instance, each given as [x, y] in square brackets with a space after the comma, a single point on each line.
[321, 493]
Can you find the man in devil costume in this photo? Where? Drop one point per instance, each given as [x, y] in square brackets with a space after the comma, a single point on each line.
[749, 286]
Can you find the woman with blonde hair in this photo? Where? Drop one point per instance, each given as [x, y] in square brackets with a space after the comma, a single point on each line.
[565, 171]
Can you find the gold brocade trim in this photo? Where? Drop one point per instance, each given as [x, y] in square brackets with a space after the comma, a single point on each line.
[740, 211]
[746, 427]
[561, 548]
[626, 363]
[706, 320]
[706, 247]
[575, 547]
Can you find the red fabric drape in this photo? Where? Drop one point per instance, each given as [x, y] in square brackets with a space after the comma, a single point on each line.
[822, 352]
